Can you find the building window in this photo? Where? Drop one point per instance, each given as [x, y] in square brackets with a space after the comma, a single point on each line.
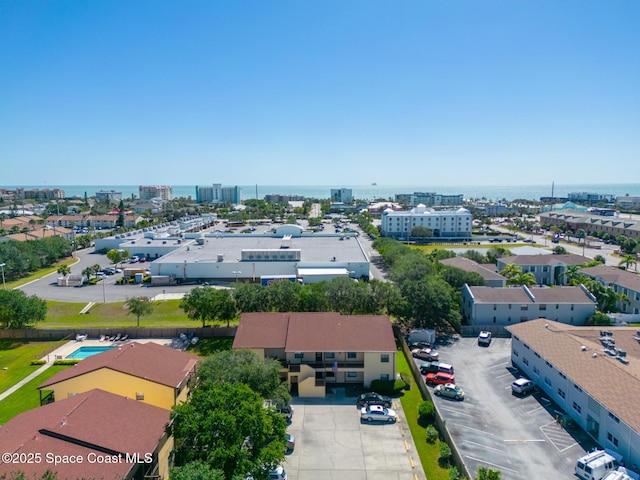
[299, 355]
[536, 371]
[352, 374]
[495, 306]
[561, 392]
[571, 307]
[547, 380]
[549, 365]
[384, 376]
[515, 353]
[577, 407]
[525, 361]
[612, 439]
[524, 307]
[577, 388]
[384, 358]
[139, 395]
[330, 374]
[542, 307]
[494, 319]
[557, 306]
[352, 355]
[330, 355]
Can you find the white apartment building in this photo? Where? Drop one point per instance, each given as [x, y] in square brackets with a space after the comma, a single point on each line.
[341, 195]
[209, 194]
[165, 192]
[592, 375]
[455, 224]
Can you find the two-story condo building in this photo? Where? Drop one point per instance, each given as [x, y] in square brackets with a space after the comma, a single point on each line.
[623, 282]
[508, 306]
[548, 269]
[321, 349]
[592, 375]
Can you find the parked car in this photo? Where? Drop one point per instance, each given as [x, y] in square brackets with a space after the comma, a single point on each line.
[291, 443]
[522, 386]
[109, 271]
[425, 354]
[428, 367]
[439, 378]
[378, 413]
[484, 339]
[449, 390]
[373, 398]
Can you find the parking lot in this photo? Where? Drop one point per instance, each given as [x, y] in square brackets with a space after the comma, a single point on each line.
[333, 444]
[517, 435]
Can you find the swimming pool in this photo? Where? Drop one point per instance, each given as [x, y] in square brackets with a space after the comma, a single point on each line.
[84, 352]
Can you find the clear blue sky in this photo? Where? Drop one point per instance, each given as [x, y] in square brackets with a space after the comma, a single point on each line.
[436, 92]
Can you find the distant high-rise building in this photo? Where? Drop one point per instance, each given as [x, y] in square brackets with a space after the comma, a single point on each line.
[164, 192]
[209, 194]
[343, 195]
[232, 195]
[108, 195]
[429, 199]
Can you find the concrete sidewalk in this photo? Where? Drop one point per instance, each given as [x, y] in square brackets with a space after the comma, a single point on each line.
[28, 378]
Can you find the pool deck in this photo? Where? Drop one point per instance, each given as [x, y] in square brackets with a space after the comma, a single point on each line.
[73, 345]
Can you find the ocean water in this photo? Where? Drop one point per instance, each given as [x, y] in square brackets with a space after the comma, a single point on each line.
[371, 192]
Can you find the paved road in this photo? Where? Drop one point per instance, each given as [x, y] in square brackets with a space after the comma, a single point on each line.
[104, 291]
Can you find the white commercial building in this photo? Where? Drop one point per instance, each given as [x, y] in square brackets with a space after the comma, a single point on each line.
[445, 224]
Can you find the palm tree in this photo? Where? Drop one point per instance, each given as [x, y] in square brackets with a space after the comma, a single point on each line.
[488, 474]
[87, 272]
[627, 261]
[64, 270]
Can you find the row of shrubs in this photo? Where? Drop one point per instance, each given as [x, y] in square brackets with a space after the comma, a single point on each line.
[57, 362]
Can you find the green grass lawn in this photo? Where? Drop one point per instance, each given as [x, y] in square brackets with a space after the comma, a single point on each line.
[26, 397]
[43, 272]
[116, 315]
[208, 346]
[428, 452]
[16, 356]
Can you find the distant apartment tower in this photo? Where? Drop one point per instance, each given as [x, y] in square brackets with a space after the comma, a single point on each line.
[108, 195]
[429, 199]
[277, 198]
[42, 194]
[164, 192]
[628, 203]
[344, 195]
[232, 195]
[591, 198]
[209, 194]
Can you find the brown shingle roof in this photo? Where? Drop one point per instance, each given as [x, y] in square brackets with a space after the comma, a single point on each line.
[153, 362]
[604, 378]
[315, 332]
[538, 295]
[544, 259]
[469, 265]
[92, 422]
[615, 275]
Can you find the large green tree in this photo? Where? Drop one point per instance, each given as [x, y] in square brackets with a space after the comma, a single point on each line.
[17, 310]
[207, 303]
[225, 426]
[244, 366]
[431, 303]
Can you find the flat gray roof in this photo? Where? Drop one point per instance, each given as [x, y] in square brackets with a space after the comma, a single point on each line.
[319, 248]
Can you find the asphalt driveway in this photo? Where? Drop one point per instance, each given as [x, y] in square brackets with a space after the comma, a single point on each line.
[333, 444]
[494, 428]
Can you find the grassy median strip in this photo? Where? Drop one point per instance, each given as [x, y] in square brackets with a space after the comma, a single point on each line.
[26, 397]
[16, 356]
[428, 452]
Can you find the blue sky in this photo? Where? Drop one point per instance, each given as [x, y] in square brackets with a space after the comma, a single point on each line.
[446, 92]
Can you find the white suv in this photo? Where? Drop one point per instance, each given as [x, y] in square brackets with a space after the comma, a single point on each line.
[522, 386]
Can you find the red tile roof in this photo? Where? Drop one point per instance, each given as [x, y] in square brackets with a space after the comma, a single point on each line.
[315, 332]
[153, 362]
[88, 424]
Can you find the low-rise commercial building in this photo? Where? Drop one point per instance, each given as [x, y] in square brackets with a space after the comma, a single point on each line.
[576, 220]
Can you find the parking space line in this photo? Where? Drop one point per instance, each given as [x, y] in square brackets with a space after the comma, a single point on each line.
[471, 428]
[525, 440]
[453, 410]
[485, 447]
[536, 409]
[501, 467]
[500, 365]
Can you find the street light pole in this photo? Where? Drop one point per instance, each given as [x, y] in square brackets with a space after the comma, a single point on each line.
[236, 273]
[104, 293]
[4, 285]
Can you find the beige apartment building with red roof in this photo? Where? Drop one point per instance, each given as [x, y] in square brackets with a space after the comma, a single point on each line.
[322, 349]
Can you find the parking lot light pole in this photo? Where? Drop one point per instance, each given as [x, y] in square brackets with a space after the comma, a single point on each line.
[236, 273]
[4, 285]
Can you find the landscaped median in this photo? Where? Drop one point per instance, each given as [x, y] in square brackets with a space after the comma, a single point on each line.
[429, 450]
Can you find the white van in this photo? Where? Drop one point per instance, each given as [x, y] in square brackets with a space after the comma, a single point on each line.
[595, 465]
